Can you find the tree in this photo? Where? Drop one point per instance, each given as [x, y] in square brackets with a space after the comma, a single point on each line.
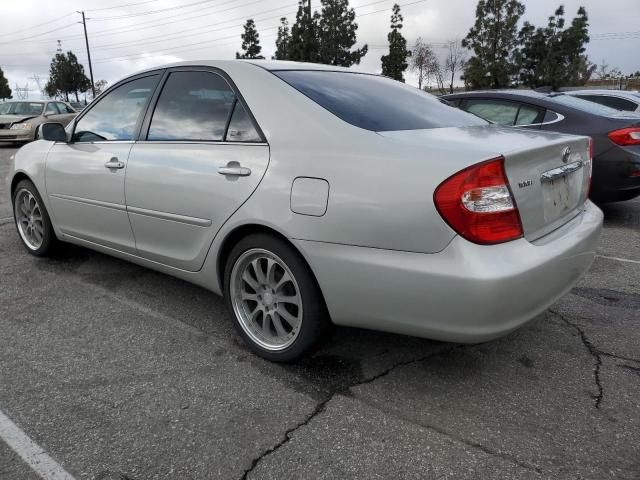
[5, 91]
[283, 40]
[554, 56]
[394, 64]
[66, 76]
[423, 61]
[337, 34]
[304, 44]
[100, 86]
[250, 41]
[455, 61]
[493, 38]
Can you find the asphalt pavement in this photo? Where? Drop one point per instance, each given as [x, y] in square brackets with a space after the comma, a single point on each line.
[117, 372]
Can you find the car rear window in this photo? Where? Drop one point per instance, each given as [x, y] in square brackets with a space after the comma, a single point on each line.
[584, 105]
[376, 103]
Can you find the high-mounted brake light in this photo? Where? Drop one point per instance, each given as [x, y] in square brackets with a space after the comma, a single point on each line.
[626, 136]
[477, 203]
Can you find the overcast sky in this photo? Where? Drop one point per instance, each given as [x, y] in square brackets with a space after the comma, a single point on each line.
[130, 35]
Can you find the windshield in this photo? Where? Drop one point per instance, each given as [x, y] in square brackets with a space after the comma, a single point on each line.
[584, 105]
[21, 108]
[376, 103]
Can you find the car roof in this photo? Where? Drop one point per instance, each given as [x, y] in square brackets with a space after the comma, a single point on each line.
[272, 65]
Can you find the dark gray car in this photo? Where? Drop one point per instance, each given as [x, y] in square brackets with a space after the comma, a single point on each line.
[616, 135]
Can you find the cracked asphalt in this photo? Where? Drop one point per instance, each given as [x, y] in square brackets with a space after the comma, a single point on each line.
[119, 372]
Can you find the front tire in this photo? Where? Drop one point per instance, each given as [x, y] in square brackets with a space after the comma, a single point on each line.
[273, 296]
[32, 220]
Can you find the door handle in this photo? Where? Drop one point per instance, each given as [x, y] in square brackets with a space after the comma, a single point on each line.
[234, 169]
[114, 163]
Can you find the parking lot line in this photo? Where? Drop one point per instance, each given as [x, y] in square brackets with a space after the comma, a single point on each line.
[30, 452]
[625, 260]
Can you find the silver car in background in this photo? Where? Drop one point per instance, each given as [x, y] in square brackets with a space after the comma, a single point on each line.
[309, 195]
[19, 120]
[624, 100]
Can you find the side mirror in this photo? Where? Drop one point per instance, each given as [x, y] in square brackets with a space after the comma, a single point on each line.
[53, 132]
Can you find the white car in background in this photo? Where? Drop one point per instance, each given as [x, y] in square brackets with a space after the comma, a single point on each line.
[625, 100]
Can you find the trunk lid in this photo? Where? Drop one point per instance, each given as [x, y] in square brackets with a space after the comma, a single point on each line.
[548, 173]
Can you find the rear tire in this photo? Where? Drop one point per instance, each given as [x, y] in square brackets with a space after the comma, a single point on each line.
[32, 220]
[274, 298]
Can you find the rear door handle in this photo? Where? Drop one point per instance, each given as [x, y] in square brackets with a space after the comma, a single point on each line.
[114, 163]
[234, 169]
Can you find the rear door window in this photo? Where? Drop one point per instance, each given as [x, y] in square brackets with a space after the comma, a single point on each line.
[192, 106]
[51, 109]
[496, 111]
[529, 115]
[374, 102]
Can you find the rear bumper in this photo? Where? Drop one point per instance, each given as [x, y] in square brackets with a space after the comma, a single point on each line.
[616, 174]
[466, 293]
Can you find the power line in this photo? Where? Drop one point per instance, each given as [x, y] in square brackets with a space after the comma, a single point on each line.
[13, 40]
[35, 26]
[122, 6]
[150, 12]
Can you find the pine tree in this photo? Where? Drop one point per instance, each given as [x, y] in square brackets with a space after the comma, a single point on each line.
[394, 64]
[305, 44]
[283, 40]
[554, 56]
[5, 91]
[337, 34]
[250, 41]
[493, 40]
[66, 75]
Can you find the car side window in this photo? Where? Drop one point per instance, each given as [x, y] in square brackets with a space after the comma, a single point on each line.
[51, 109]
[241, 128]
[64, 108]
[496, 111]
[550, 116]
[528, 115]
[115, 116]
[613, 102]
[192, 106]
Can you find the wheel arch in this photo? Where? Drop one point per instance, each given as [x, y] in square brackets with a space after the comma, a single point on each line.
[17, 178]
[241, 231]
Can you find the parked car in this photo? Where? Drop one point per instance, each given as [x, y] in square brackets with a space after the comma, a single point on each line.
[616, 135]
[19, 120]
[310, 194]
[625, 100]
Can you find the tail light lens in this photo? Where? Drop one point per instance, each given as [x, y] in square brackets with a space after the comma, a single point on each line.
[477, 203]
[626, 136]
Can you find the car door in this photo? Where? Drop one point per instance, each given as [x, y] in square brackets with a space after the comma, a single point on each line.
[85, 177]
[66, 113]
[200, 156]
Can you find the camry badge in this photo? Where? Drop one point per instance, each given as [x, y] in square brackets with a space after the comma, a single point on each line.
[526, 183]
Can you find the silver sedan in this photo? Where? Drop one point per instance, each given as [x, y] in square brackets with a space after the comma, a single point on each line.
[311, 195]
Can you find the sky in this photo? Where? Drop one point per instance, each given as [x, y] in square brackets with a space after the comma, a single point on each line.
[126, 36]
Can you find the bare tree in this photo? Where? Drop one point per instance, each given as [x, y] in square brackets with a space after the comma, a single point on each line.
[422, 61]
[602, 71]
[455, 61]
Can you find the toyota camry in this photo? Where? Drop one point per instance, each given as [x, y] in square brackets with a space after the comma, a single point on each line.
[312, 195]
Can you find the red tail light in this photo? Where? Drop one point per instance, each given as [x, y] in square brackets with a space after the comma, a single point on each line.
[477, 203]
[626, 136]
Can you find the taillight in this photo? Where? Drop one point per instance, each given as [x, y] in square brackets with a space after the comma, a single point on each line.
[626, 136]
[477, 203]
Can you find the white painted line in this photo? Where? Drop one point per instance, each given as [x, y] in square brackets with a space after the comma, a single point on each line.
[30, 452]
[625, 260]
[6, 220]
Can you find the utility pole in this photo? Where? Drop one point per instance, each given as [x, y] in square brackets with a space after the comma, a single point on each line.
[86, 40]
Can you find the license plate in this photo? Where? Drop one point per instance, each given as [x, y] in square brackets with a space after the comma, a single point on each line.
[561, 195]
